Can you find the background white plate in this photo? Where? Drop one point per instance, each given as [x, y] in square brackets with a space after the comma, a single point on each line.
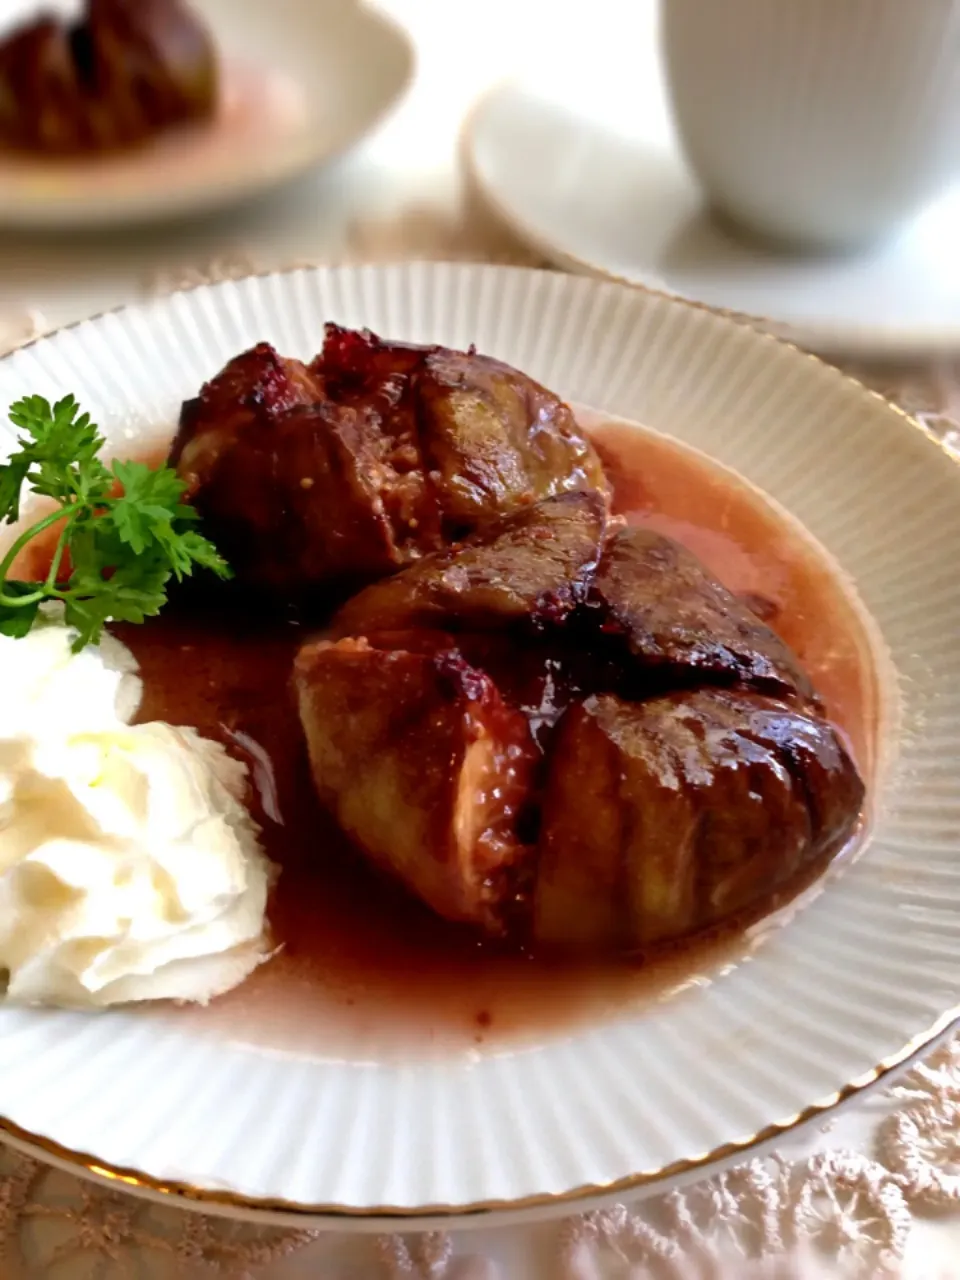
[864, 975]
[333, 70]
[589, 170]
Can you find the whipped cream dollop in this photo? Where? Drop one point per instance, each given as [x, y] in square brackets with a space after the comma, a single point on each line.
[130, 868]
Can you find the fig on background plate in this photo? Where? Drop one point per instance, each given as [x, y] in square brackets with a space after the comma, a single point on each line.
[126, 71]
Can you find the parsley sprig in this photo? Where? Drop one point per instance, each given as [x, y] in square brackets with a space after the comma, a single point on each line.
[125, 528]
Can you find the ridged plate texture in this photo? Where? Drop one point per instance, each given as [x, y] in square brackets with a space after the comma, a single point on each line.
[865, 973]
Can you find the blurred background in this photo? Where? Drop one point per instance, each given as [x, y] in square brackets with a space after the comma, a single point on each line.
[400, 181]
[521, 129]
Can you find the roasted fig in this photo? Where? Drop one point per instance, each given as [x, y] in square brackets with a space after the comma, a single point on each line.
[446, 443]
[702, 804]
[426, 768]
[680, 626]
[530, 569]
[128, 70]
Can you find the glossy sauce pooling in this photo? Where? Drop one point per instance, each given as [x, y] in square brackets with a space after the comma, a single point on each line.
[363, 965]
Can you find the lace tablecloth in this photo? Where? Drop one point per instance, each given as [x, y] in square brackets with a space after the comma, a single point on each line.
[838, 1212]
[874, 1193]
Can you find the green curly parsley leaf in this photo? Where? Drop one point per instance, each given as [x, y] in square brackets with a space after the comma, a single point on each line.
[124, 531]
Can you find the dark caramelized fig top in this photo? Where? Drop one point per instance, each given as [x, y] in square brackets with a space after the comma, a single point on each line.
[430, 446]
[702, 804]
[532, 568]
[681, 624]
[493, 439]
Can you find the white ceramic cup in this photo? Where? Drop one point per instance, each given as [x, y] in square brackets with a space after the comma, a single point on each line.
[824, 123]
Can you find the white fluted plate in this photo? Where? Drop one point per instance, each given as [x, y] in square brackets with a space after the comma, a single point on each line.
[863, 976]
[302, 82]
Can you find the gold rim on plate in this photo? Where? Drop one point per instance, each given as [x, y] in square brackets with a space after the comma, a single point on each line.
[200, 1198]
